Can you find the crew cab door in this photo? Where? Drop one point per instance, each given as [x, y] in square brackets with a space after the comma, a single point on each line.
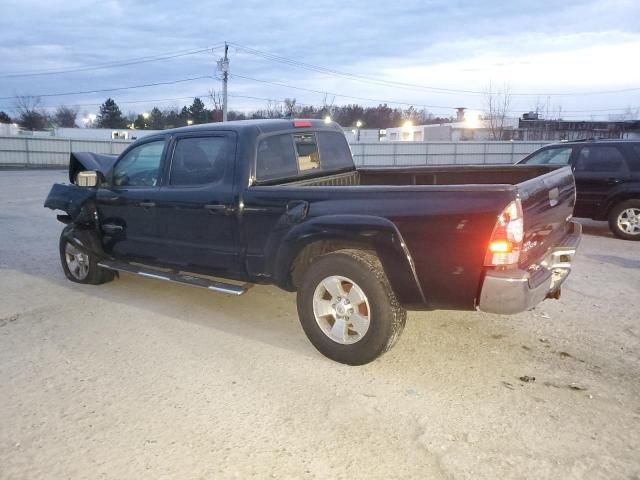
[197, 228]
[597, 170]
[127, 203]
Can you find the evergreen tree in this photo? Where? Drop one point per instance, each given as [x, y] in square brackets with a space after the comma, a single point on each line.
[4, 118]
[156, 119]
[198, 111]
[110, 115]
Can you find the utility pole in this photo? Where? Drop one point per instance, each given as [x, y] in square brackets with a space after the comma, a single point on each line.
[223, 66]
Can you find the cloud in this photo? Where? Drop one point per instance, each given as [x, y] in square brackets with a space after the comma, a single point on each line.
[540, 46]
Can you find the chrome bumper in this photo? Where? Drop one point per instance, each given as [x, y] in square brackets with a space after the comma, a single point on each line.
[512, 291]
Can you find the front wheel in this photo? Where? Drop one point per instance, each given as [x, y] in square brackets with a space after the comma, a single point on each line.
[80, 267]
[347, 307]
[624, 220]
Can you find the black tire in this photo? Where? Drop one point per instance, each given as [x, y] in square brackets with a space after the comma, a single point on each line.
[95, 275]
[615, 214]
[386, 317]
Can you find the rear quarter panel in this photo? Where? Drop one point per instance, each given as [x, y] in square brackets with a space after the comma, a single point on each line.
[445, 229]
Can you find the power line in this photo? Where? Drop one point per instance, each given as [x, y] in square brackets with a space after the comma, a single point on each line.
[109, 89]
[340, 95]
[122, 63]
[391, 102]
[367, 79]
[125, 102]
[271, 100]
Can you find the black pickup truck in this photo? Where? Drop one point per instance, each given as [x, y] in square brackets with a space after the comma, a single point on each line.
[224, 206]
[607, 174]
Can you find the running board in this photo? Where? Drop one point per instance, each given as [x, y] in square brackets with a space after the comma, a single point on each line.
[177, 277]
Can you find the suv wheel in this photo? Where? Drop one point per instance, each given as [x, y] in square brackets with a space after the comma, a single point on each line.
[624, 220]
[80, 267]
[347, 308]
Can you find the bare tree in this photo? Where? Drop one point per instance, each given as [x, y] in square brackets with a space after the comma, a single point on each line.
[65, 117]
[216, 99]
[273, 109]
[290, 108]
[30, 114]
[628, 114]
[497, 103]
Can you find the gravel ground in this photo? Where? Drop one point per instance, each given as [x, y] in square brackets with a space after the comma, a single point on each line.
[141, 379]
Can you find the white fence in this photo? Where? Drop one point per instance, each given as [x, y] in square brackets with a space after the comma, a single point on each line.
[50, 151]
[41, 152]
[440, 153]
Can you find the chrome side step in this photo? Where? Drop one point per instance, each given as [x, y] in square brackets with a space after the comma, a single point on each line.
[177, 277]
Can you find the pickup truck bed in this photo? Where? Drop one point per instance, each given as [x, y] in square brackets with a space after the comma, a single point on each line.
[497, 238]
[447, 245]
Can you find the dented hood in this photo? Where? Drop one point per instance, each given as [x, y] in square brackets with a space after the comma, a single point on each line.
[81, 161]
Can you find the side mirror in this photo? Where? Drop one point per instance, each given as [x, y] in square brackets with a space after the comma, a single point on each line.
[89, 178]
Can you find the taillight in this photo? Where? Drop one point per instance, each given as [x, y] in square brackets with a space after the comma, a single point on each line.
[506, 240]
[302, 124]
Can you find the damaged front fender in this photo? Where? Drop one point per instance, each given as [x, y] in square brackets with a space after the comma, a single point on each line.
[77, 202]
[83, 230]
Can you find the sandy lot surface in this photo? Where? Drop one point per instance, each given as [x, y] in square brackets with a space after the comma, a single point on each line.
[140, 379]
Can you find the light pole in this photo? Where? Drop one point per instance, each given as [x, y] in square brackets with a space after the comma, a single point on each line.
[358, 125]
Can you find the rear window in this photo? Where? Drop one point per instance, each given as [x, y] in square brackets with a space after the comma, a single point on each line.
[334, 151]
[301, 153]
[276, 158]
[307, 151]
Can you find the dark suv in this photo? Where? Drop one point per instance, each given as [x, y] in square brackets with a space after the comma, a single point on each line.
[607, 174]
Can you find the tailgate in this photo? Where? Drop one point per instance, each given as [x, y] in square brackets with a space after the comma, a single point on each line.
[547, 205]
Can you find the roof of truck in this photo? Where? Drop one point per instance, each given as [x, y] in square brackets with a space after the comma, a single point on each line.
[264, 126]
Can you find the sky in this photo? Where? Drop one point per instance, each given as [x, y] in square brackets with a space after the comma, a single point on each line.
[577, 57]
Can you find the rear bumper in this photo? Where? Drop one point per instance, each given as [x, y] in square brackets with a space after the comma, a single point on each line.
[512, 291]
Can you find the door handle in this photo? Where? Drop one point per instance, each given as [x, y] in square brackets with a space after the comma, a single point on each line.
[613, 181]
[214, 207]
[147, 204]
[112, 228]
[219, 207]
[112, 198]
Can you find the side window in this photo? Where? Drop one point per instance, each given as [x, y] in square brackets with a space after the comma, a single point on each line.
[551, 156]
[600, 159]
[307, 151]
[276, 158]
[140, 167]
[201, 160]
[334, 151]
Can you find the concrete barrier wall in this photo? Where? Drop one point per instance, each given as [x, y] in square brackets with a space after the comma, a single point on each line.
[50, 151]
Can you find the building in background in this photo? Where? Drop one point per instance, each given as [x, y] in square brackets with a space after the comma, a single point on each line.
[7, 129]
[362, 134]
[471, 129]
[531, 127]
[101, 133]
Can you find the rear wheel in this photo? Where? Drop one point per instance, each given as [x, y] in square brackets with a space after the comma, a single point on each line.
[81, 267]
[347, 307]
[624, 220]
